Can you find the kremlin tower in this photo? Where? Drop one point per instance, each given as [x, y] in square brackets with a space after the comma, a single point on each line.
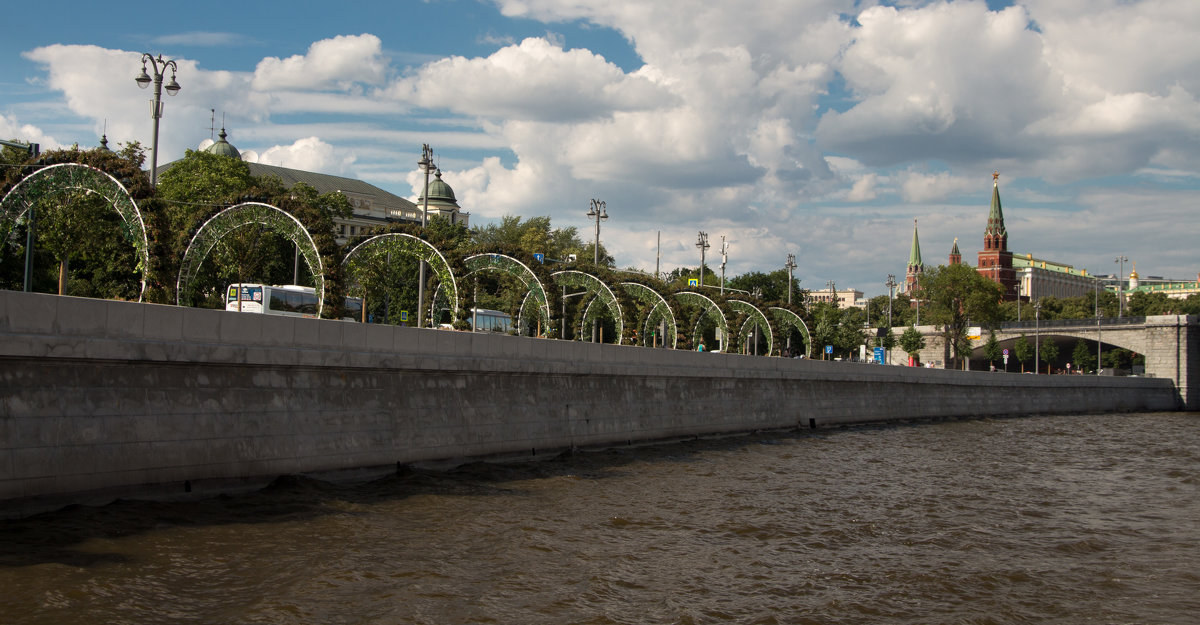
[995, 261]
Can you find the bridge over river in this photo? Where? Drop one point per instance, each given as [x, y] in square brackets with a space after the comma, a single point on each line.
[1170, 344]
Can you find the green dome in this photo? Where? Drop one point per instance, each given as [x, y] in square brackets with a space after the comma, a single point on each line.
[440, 193]
[223, 147]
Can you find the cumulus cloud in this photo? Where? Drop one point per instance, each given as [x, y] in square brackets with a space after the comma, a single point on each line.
[534, 80]
[308, 154]
[11, 129]
[337, 62]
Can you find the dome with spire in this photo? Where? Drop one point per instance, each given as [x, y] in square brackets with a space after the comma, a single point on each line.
[440, 194]
[223, 147]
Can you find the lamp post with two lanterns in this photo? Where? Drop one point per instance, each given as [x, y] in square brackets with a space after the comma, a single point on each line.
[143, 80]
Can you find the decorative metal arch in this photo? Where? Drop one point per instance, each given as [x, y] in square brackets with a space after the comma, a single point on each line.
[710, 308]
[660, 310]
[78, 177]
[600, 290]
[403, 244]
[789, 319]
[534, 289]
[754, 317]
[240, 216]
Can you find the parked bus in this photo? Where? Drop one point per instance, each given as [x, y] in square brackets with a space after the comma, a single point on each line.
[484, 320]
[288, 300]
[489, 320]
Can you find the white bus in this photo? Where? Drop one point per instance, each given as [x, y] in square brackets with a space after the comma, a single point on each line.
[489, 320]
[288, 300]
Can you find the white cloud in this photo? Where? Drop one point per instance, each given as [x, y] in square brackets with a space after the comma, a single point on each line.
[309, 154]
[11, 129]
[337, 62]
[202, 38]
[535, 80]
[920, 187]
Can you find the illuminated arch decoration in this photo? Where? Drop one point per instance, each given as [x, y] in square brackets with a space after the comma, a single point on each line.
[402, 244]
[600, 292]
[709, 309]
[788, 320]
[535, 301]
[659, 310]
[240, 216]
[754, 318]
[77, 177]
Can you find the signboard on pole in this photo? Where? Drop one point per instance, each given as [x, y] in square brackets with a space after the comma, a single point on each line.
[404, 315]
[540, 257]
[828, 349]
[693, 282]
[879, 355]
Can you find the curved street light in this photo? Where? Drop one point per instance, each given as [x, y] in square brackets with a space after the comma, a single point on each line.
[597, 212]
[159, 66]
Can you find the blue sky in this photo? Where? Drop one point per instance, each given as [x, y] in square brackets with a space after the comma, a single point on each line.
[819, 128]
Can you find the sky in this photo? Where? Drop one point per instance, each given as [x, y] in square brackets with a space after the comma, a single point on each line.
[820, 128]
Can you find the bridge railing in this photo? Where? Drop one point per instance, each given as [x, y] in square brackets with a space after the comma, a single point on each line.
[1073, 323]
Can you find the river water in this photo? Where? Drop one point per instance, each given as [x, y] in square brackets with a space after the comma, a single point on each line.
[1071, 519]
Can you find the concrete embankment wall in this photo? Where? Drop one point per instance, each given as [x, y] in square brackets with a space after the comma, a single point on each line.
[100, 396]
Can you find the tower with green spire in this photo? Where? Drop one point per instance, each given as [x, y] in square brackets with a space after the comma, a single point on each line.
[915, 266]
[995, 261]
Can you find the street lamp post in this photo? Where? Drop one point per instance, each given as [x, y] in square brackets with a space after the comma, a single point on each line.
[598, 213]
[426, 163]
[156, 107]
[832, 292]
[1120, 260]
[1037, 336]
[702, 243]
[34, 150]
[891, 285]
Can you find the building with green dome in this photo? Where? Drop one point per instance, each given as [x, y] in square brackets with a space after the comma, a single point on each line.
[372, 206]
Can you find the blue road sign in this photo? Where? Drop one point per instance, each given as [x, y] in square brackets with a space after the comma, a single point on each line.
[879, 355]
[828, 349]
[539, 257]
[404, 315]
[693, 282]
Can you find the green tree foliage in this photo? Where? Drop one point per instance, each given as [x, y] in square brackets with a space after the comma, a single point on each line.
[991, 349]
[1048, 353]
[81, 245]
[955, 296]
[1023, 351]
[1083, 356]
[912, 341]
[772, 287]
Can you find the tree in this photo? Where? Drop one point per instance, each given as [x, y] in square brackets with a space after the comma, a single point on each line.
[1049, 353]
[956, 295]
[991, 350]
[1083, 356]
[912, 342]
[772, 287]
[1023, 350]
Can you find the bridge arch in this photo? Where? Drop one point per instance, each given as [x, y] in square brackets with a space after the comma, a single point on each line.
[78, 177]
[659, 309]
[239, 216]
[536, 300]
[601, 293]
[788, 320]
[403, 244]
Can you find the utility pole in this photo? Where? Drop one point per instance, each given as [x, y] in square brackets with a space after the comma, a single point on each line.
[790, 265]
[724, 259]
[702, 243]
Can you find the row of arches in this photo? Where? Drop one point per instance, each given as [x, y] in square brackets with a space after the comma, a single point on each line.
[641, 313]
